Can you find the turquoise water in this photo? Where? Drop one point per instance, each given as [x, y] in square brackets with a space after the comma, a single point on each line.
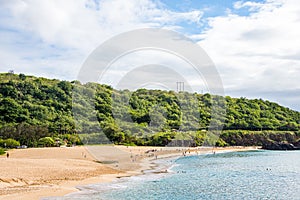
[237, 175]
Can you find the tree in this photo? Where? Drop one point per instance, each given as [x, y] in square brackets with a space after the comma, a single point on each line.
[11, 111]
[22, 77]
[32, 108]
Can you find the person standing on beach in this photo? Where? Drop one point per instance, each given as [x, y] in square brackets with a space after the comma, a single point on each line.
[7, 155]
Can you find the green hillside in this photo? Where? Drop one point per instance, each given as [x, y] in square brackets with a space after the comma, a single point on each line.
[32, 109]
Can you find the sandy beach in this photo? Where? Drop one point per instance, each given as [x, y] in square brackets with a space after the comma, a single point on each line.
[43, 172]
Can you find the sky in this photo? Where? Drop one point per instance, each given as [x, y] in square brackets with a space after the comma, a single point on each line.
[254, 45]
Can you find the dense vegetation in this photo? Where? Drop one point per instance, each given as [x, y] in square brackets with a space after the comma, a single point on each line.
[43, 112]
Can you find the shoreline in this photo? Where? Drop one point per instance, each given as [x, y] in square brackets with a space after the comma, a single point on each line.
[160, 166]
[126, 162]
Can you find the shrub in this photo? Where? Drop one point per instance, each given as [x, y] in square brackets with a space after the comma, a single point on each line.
[200, 137]
[72, 139]
[221, 143]
[46, 142]
[9, 143]
[2, 151]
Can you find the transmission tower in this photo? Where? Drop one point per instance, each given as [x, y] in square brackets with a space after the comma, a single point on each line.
[180, 86]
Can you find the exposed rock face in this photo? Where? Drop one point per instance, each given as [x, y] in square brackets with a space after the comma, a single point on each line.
[280, 146]
[297, 143]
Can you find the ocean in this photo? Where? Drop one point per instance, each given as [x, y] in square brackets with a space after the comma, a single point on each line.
[233, 175]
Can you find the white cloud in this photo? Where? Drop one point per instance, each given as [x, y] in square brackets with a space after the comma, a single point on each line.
[269, 5]
[172, 69]
[259, 53]
[80, 24]
[63, 33]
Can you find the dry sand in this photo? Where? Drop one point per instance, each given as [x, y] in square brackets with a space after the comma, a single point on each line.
[36, 173]
[41, 172]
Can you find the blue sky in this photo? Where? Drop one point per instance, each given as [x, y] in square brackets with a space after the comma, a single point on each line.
[210, 8]
[253, 44]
